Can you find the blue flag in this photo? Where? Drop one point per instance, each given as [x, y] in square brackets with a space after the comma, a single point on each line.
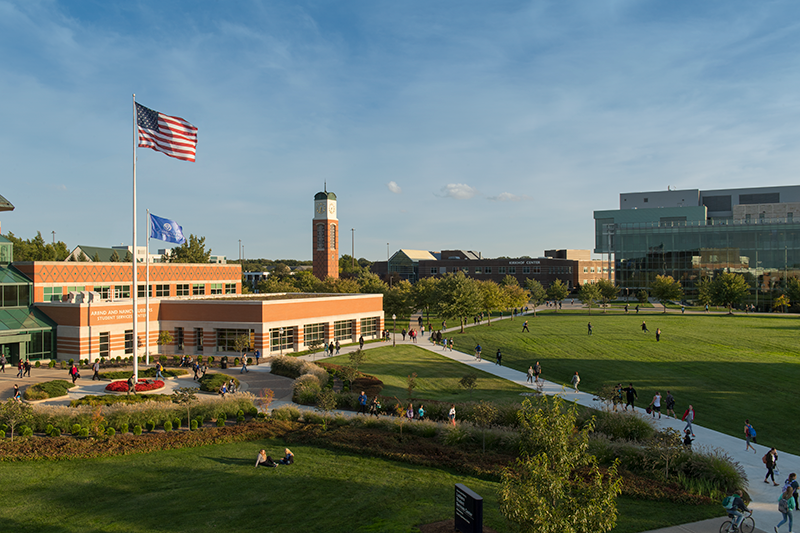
[165, 229]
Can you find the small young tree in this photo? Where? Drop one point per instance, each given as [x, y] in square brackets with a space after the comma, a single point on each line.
[665, 289]
[608, 292]
[356, 358]
[241, 343]
[557, 291]
[186, 396]
[314, 345]
[265, 397]
[588, 294]
[728, 289]
[411, 383]
[642, 296]
[13, 414]
[164, 338]
[537, 291]
[469, 382]
[781, 303]
[664, 447]
[326, 402]
[485, 413]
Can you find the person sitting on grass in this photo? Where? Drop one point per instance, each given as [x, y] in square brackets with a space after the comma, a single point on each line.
[262, 459]
[223, 390]
[288, 458]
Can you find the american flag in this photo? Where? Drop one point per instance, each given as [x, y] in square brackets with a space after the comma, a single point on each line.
[170, 135]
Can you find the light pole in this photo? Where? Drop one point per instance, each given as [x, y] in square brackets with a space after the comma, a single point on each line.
[353, 246]
[394, 333]
[54, 237]
[240, 249]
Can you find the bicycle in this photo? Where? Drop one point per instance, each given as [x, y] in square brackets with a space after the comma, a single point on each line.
[747, 526]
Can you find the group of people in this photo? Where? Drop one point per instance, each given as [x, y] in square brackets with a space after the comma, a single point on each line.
[227, 388]
[367, 408]
[333, 348]
[262, 459]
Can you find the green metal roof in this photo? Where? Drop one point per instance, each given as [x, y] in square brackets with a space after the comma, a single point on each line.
[21, 318]
[5, 205]
[325, 196]
[103, 253]
[10, 276]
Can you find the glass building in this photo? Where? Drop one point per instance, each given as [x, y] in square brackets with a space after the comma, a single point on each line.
[730, 231]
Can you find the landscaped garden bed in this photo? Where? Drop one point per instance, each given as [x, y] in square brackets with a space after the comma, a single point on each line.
[144, 385]
[47, 390]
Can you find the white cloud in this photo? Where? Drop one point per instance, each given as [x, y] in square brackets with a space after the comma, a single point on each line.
[394, 187]
[459, 191]
[508, 197]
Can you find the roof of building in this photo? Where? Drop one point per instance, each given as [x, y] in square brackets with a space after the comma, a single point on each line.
[5, 205]
[10, 276]
[417, 255]
[103, 253]
[325, 196]
[23, 318]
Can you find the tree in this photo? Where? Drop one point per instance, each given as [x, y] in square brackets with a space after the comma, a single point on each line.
[555, 485]
[781, 303]
[96, 257]
[608, 292]
[280, 272]
[191, 251]
[274, 285]
[728, 289]
[326, 402]
[704, 291]
[82, 257]
[241, 343]
[557, 291]
[492, 298]
[357, 358]
[128, 257]
[457, 297]
[514, 295]
[14, 413]
[469, 382]
[666, 289]
[508, 281]
[305, 281]
[423, 295]
[484, 413]
[537, 292]
[342, 286]
[164, 338]
[349, 267]
[371, 283]
[397, 300]
[642, 296]
[37, 249]
[588, 294]
[793, 289]
[114, 257]
[185, 396]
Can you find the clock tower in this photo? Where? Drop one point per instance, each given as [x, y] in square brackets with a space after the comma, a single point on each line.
[325, 236]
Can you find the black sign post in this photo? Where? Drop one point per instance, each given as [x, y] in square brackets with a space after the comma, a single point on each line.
[469, 510]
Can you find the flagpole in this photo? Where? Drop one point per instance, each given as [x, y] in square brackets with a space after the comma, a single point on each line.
[147, 295]
[135, 288]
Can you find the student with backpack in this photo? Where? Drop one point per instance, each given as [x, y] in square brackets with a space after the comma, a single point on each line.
[770, 460]
[786, 506]
[749, 434]
[735, 507]
[791, 481]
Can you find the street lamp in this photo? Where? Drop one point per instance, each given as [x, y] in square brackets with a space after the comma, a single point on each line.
[240, 249]
[394, 327]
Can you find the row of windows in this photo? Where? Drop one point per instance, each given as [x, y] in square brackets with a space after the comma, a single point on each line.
[586, 270]
[15, 295]
[505, 270]
[55, 294]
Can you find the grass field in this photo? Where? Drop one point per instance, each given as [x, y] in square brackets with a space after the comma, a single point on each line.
[729, 367]
[437, 376]
[215, 488]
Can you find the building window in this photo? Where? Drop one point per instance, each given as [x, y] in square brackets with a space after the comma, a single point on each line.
[141, 291]
[52, 294]
[314, 333]
[40, 346]
[162, 290]
[226, 338]
[230, 288]
[501, 270]
[281, 339]
[333, 236]
[320, 237]
[442, 270]
[487, 270]
[216, 288]
[478, 270]
[128, 342]
[789, 217]
[512, 270]
[569, 269]
[465, 270]
[585, 270]
[179, 339]
[343, 330]
[122, 291]
[198, 289]
[198, 339]
[369, 326]
[526, 270]
[104, 290]
[182, 289]
[434, 271]
[105, 343]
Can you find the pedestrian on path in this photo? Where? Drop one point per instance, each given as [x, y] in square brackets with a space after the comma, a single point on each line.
[158, 371]
[525, 327]
[452, 415]
[338, 347]
[771, 462]
[27, 368]
[749, 434]
[244, 364]
[362, 403]
[3, 363]
[630, 397]
[688, 417]
[403, 333]
[656, 404]
[590, 328]
[786, 506]
[451, 343]
[537, 371]
[20, 370]
[499, 358]
[421, 413]
[96, 370]
[670, 401]
[530, 375]
[575, 380]
[361, 342]
[131, 386]
[626, 309]
[478, 352]
[791, 481]
[326, 349]
[257, 354]
[331, 347]
[658, 334]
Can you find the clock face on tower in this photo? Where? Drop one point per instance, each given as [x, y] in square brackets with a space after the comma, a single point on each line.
[332, 209]
[320, 208]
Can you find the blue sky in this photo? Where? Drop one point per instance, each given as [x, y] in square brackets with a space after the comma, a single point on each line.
[491, 126]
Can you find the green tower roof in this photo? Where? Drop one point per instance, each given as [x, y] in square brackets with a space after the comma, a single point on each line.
[325, 196]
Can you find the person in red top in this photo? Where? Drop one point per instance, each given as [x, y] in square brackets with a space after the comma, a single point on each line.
[688, 417]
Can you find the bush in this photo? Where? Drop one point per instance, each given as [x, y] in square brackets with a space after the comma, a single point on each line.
[76, 429]
[151, 426]
[85, 432]
[311, 417]
[123, 428]
[167, 426]
[48, 389]
[213, 381]
[51, 364]
[176, 424]
[48, 429]
[38, 364]
[56, 432]
[110, 432]
[287, 413]
[305, 390]
[292, 367]
[620, 425]
[210, 360]
[146, 373]
[193, 425]
[112, 399]
[220, 421]
[137, 430]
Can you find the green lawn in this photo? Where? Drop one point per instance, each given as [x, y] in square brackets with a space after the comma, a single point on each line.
[729, 367]
[437, 376]
[215, 488]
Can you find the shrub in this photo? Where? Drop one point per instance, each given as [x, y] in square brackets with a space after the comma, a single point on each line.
[76, 429]
[620, 425]
[306, 389]
[210, 360]
[51, 364]
[112, 399]
[110, 432]
[123, 428]
[48, 389]
[193, 425]
[199, 359]
[48, 429]
[85, 432]
[286, 412]
[240, 419]
[137, 430]
[292, 367]
[176, 424]
[311, 417]
[213, 381]
[151, 426]
[221, 421]
[38, 364]
[71, 362]
[143, 373]
[56, 432]
[167, 426]
[235, 361]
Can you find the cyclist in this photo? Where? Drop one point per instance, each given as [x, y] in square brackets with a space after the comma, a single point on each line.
[736, 508]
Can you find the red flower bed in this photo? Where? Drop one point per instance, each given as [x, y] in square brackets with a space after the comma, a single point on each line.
[143, 385]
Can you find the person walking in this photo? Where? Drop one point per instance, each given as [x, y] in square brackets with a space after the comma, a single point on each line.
[637, 309]
[658, 334]
[257, 354]
[131, 386]
[575, 380]
[644, 327]
[3, 363]
[771, 461]
[499, 358]
[749, 433]
[537, 370]
[421, 413]
[158, 370]
[626, 309]
[244, 364]
[525, 327]
[96, 370]
[688, 417]
[338, 347]
[362, 403]
[361, 342]
[452, 415]
[478, 352]
[26, 368]
[20, 369]
[326, 349]
[630, 397]
[670, 404]
[656, 404]
[451, 343]
[530, 375]
[375, 407]
[196, 369]
[590, 328]
[791, 481]
[785, 507]
[331, 346]
[403, 333]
